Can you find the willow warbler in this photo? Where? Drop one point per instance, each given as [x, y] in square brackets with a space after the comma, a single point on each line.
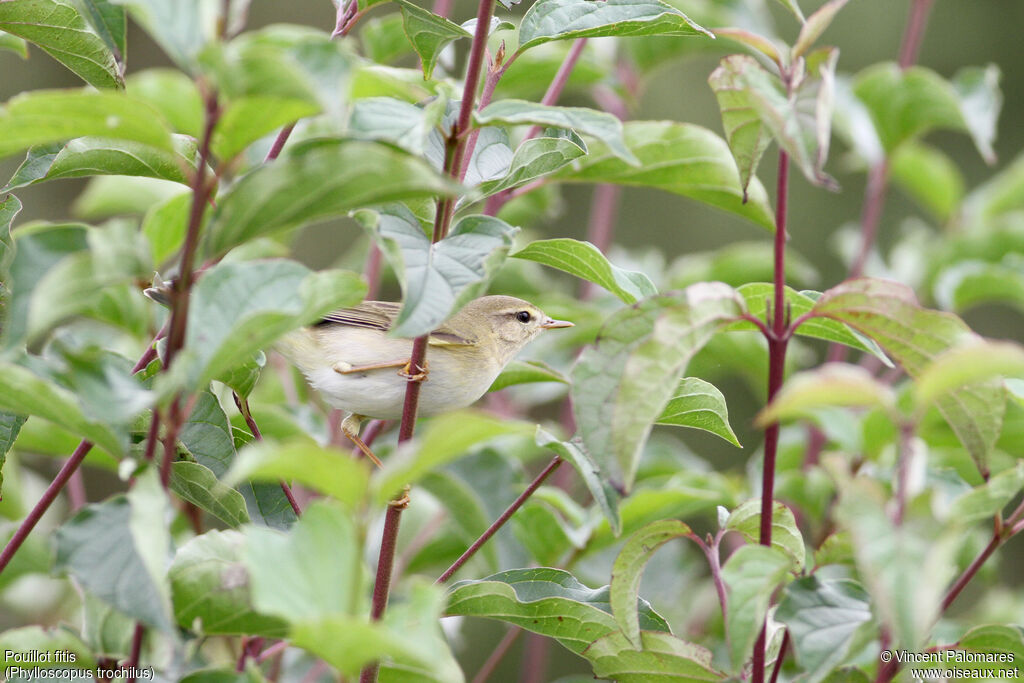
[350, 359]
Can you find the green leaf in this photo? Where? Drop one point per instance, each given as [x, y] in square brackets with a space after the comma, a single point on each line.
[662, 657]
[240, 308]
[905, 104]
[68, 35]
[345, 174]
[628, 570]
[889, 313]
[972, 283]
[748, 137]
[800, 121]
[929, 176]
[24, 392]
[751, 575]
[549, 20]
[383, 38]
[822, 616]
[547, 601]
[536, 158]
[815, 25]
[199, 486]
[164, 226]
[13, 44]
[526, 372]
[100, 156]
[1002, 644]
[758, 294]
[597, 483]
[621, 385]
[46, 648]
[173, 94]
[46, 116]
[180, 27]
[106, 196]
[210, 587]
[328, 471]
[762, 44]
[679, 158]
[793, 7]
[438, 279]
[428, 33]
[109, 22]
[544, 533]
[10, 425]
[984, 501]
[699, 405]
[967, 364]
[393, 120]
[118, 550]
[446, 438]
[906, 569]
[314, 570]
[786, 537]
[829, 385]
[598, 124]
[1002, 193]
[586, 261]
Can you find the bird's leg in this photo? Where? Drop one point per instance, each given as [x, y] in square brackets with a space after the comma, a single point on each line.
[419, 376]
[343, 368]
[350, 428]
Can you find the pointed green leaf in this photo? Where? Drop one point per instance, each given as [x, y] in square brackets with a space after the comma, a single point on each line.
[547, 601]
[14, 44]
[550, 20]
[438, 279]
[679, 158]
[180, 27]
[586, 261]
[914, 336]
[526, 372]
[101, 156]
[598, 124]
[446, 438]
[211, 590]
[621, 385]
[980, 104]
[764, 45]
[393, 120]
[661, 656]
[164, 226]
[328, 471]
[786, 537]
[600, 488]
[822, 616]
[536, 158]
[748, 137]
[699, 405]
[312, 571]
[199, 486]
[628, 570]
[815, 25]
[929, 176]
[967, 364]
[428, 33]
[10, 425]
[173, 94]
[986, 500]
[343, 175]
[66, 33]
[118, 550]
[793, 7]
[751, 575]
[829, 385]
[46, 116]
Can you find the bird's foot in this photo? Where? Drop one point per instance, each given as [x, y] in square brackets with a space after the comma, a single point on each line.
[419, 376]
[350, 428]
[402, 501]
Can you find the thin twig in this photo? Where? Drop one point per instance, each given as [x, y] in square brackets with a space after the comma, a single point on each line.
[136, 652]
[914, 32]
[500, 650]
[282, 137]
[500, 521]
[781, 657]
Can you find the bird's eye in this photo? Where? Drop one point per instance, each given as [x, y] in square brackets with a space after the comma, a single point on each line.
[523, 316]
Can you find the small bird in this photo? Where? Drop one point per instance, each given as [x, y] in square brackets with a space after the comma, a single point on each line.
[350, 359]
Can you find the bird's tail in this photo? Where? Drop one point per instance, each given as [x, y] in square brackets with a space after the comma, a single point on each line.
[301, 350]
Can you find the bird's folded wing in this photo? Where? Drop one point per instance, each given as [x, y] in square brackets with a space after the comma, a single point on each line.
[379, 315]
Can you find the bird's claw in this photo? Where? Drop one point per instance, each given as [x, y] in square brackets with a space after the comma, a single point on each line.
[420, 376]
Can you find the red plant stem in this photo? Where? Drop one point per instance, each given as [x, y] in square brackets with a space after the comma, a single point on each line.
[275, 649]
[874, 200]
[243, 408]
[914, 32]
[902, 471]
[282, 137]
[454, 151]
[781, 657]
[536, 653]
[777, 342]
[500, 650]
[76, 491]
[442, 8]
[971, 570]
[136, 653]
[560, 80]
[500, 521]
[49, 495]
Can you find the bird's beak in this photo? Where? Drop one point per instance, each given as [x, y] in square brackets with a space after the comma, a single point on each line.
[550, 324]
